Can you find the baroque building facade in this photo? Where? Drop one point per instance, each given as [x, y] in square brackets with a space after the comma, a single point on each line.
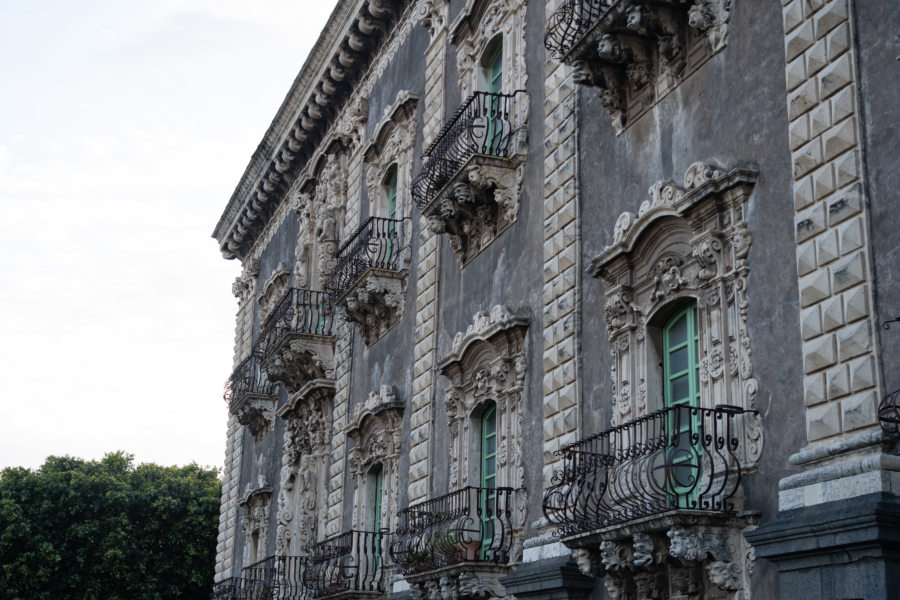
[576, 299]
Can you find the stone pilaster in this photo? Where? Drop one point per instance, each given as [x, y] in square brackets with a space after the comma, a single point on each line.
[560, 295]
[427, 271]
[343, 362]
[834, 263]
[231, 478]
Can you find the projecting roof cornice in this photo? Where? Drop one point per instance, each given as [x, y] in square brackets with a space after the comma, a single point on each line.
[352, 36]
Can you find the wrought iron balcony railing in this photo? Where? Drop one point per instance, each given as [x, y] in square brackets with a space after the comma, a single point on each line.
[227, 589]
[889, 413]
[571, 21]
[274, 578]
[680, 458]
[247, 380]
[472, 524]
[298, 312]
[349, 562]
[375, 245]
[482, 125]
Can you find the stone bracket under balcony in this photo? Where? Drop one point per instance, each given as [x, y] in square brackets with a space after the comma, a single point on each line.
[299, 359]
[675, 555]
[460, 581]
[374, 303]
[478, 203]
[634, 51]
[257, 413]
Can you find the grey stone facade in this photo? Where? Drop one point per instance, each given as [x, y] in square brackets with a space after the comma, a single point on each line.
[452, 354]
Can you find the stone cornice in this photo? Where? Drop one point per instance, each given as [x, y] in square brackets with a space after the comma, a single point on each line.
[352, 36]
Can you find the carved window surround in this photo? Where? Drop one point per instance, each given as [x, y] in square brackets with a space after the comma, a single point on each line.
[472, 173]
[376, 433]
[636, 52]
[255, 520]
[304, 467]
[296, 343]
[687, 243]
[485, 363]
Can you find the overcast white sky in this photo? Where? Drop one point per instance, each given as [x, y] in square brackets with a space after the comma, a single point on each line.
[124, 128]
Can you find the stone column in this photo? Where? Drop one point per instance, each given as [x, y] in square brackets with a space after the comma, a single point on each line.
[829, 540]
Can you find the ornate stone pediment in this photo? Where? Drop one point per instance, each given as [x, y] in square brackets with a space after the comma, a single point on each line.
[636, 52]
[272, 291]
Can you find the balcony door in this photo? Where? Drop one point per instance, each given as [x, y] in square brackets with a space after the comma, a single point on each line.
[389, 211]
[488, 504]
[681, 372]
[376, 491]
[492, 66]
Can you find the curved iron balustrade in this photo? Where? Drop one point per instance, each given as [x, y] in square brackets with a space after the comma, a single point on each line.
[472, 524]
[298, 312]
[351, 561]
[571, 21]
[889, 414]
[248, 379]
[273, 578]
[375, 245]
[482, 125]
[679, 458]
[227, 589]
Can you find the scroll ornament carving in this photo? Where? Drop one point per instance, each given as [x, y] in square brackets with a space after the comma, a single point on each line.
[432, 14]
[374, 307]
[258, 415]
[245, 285]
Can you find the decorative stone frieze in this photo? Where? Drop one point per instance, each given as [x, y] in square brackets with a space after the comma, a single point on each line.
[375, 432]
[300, 360]
[305, 449]
[459, 583]
[636, 52]
[687, 242]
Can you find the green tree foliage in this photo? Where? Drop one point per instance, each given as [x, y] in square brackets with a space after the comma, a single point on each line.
[107, 530]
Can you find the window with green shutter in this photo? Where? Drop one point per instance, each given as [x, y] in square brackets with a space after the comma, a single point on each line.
[488, 475]
[375, 484]
[681, 379]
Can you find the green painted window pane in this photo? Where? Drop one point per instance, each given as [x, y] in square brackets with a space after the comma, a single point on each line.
[678, 330]
[678, 360]
[680, 390]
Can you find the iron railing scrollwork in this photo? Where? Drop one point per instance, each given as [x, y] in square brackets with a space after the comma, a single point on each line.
[227, 589]
[274, 578]
[351, 561]
[305, 312]
[472, 524]
[377, 244]
[248, 379]
[482, 125]
[679, 458]
[568, 25]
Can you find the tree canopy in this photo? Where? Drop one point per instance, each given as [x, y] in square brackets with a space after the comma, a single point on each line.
[107, 530]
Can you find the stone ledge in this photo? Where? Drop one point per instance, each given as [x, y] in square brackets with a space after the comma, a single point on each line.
[549, 579]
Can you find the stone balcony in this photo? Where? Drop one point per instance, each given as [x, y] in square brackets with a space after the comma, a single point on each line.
[296, 343]
[658, 491]
[472, 173]
[635, 51]
[368, 281]
[251, 396]
[460, 543]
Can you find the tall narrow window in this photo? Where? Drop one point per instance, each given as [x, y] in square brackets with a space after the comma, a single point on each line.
[375, 485]
[492, 69]
[389, 211]
[488, 476]
[681, 382]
